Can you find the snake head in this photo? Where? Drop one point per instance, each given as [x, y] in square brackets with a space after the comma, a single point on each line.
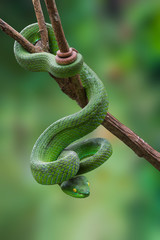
[77, 187]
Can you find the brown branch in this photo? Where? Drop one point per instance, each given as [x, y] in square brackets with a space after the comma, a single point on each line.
[79, 91]
[57, 26]
[137, 144]
[64, 47]
[18, 37]
[73, 89]
[42, 25]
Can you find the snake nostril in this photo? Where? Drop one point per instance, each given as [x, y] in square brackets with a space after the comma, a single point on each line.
[67, 57]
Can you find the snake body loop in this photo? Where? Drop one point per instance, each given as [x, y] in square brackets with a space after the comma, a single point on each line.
[54, 160]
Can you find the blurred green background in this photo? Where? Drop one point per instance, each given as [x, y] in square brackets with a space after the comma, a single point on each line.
[120, 41]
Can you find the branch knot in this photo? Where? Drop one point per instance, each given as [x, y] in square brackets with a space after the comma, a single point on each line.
[64, 58]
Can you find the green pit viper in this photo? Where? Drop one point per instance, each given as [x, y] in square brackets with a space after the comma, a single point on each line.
[54, 160]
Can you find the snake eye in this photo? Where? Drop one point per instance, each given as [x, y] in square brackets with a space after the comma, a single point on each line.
[74, 190]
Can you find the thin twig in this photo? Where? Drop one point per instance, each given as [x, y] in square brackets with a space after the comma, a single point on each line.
[42, 25]
[18, 37]
[57, 26]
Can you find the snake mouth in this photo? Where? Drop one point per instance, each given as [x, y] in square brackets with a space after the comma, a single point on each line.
[80, 195]
[83, 195]
[77, 187]
[77, 194]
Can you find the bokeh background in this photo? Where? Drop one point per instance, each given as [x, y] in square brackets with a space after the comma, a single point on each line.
[120, 41]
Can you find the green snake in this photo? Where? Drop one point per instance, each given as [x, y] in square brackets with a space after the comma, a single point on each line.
[54, 160]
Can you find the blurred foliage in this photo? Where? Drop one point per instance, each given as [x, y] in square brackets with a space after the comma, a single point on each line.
[120, 41]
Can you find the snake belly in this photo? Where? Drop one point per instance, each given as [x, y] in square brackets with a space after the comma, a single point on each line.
[54, 159]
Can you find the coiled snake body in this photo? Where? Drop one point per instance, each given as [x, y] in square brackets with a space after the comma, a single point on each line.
[53, 159]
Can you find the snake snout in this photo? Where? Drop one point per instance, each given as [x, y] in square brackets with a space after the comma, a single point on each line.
[77, 187]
